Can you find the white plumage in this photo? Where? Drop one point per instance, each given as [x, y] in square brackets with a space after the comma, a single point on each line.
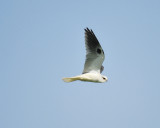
[94, 59]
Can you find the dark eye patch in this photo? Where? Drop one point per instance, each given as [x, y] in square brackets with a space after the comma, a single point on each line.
[99, 51]
[103, 78]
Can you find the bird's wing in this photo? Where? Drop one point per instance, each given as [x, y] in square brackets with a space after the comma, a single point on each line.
[94, 53]
[102, 68]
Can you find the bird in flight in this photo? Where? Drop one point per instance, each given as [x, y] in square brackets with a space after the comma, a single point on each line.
[93, 63]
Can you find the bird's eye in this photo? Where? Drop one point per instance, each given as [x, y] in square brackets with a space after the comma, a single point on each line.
[104, 78]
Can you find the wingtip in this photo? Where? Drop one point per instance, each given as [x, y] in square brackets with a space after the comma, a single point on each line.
[87, 29]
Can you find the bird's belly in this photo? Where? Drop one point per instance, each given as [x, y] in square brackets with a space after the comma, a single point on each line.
[89, 77]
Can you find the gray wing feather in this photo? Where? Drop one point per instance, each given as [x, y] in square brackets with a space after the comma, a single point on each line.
[94, 53]
[102, 68]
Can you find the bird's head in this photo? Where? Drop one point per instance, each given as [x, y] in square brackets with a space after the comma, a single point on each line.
[104, 79]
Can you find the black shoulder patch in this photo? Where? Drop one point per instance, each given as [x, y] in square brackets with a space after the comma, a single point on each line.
[99, 51]
[103, 51]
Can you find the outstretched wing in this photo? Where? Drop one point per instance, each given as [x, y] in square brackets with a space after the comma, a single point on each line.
[94, 53]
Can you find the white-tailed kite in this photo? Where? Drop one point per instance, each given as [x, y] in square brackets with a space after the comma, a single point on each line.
[94, 59]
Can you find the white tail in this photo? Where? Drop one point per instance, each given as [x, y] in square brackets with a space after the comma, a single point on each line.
[70, 79]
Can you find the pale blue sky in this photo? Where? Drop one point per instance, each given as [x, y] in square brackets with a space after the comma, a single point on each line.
[43, 41]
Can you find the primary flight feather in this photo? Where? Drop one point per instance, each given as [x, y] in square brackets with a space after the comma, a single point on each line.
[93, 63]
